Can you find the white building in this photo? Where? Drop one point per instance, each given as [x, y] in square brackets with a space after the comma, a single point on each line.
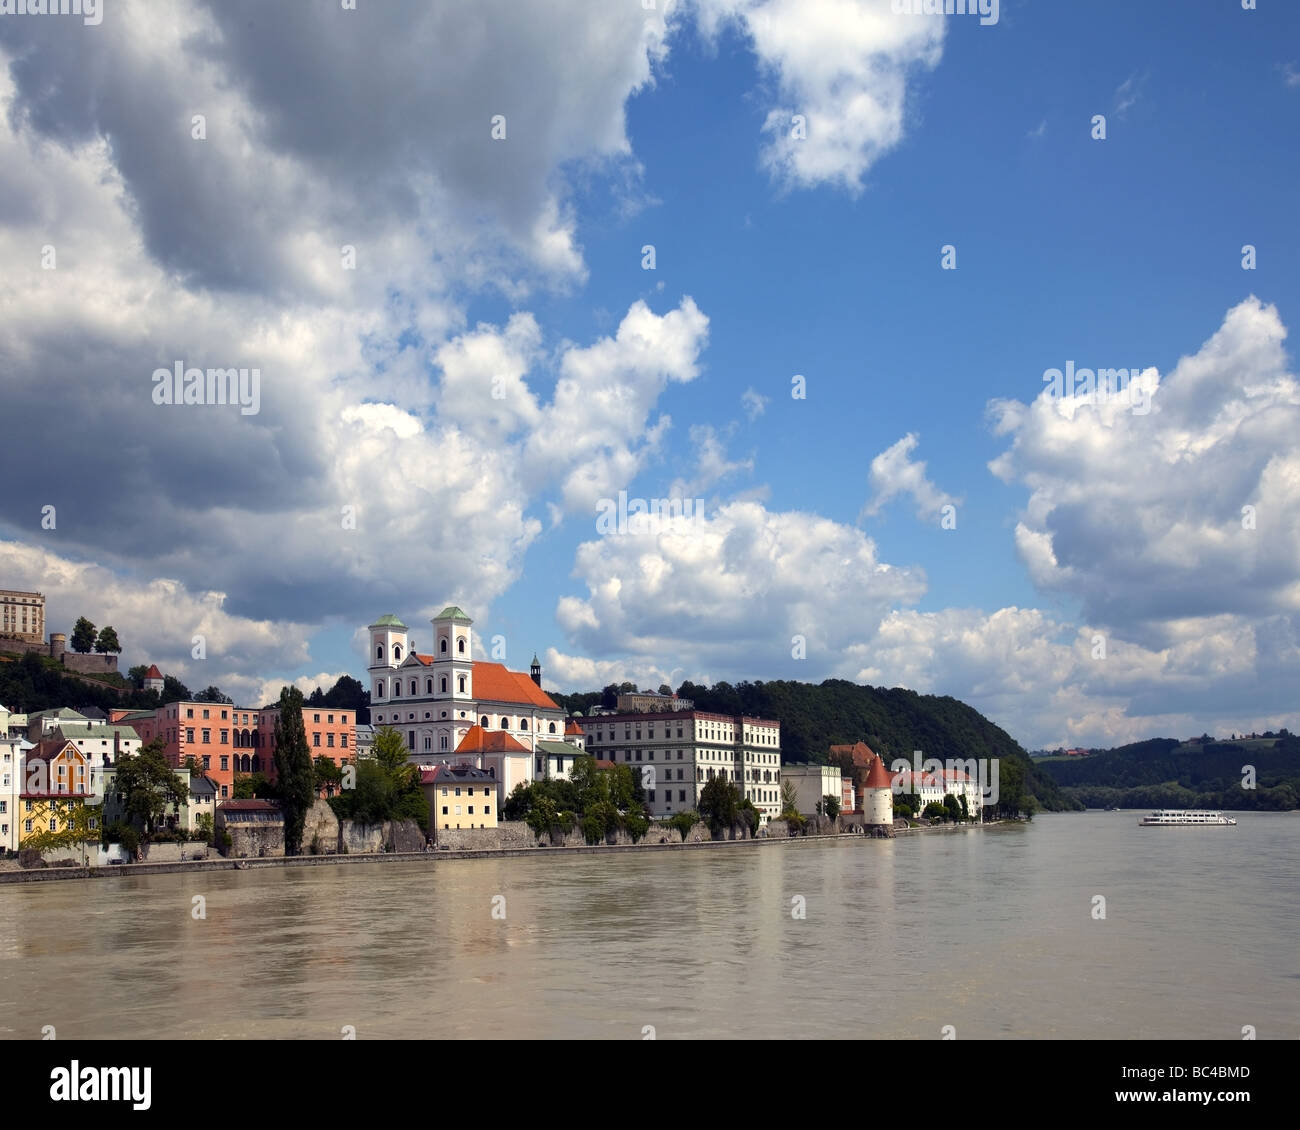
[813, 783]
[13, 748]
[433, 700]
[676, 753]
[934, 785]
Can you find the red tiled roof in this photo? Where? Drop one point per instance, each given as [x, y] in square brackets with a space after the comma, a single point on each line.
[604, 764]
[572, 727]
[878, 776]
[51, 747]
[860, 752]
[153, 672]
[493, 682]
[479, 740]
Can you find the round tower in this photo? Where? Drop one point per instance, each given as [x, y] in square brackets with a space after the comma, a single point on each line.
[58, 645]
[878, 796]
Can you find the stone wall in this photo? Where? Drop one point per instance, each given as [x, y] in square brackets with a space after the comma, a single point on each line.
[320, 832]
[172, 852]
[91, 663]
[355, 838]
[251, 840]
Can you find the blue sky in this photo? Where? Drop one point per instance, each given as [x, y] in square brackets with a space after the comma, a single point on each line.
[774, 257]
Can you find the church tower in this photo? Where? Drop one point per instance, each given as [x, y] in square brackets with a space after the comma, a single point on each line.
[536, 670]
[388, 649]
[453, 663]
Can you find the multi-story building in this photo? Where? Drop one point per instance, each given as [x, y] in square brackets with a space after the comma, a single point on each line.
[932, 787]
[227, 740]
[460, 796]
[57, 778]
[678, 752]
[22, 615]
[433, 700]
[13, 748]
[650, 702]
[105, 741]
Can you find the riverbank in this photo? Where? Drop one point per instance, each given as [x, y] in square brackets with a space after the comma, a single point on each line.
[49, 874]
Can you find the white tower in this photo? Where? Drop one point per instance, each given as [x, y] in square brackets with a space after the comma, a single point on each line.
[388, 650]
[453, 664]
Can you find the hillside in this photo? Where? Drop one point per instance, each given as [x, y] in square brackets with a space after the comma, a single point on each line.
[892, 722]
[1165, 772]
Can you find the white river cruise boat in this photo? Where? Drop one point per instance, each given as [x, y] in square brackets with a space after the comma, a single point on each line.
[1177, 817]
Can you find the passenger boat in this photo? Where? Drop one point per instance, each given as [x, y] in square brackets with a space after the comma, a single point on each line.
[1178, 817]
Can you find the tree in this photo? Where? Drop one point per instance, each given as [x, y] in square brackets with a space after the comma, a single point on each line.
[293, 768]
[390, 752]
[951, 808]
[831, 805]
[327, 773]
[107, 641]
[665, 689]
[77, 825]
[934, 811]
[175, 691]
[254, 785]
[136, 675]
[213, 694]
[83, 636]
[719, 804]
[147, 785]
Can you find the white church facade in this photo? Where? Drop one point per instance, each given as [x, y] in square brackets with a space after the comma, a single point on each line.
[433, 700]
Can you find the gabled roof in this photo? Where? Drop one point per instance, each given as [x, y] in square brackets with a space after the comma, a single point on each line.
[573, 728]
[493, 682]
[52, 747]
[479, 740]
[63, 714]
[861, 753]
[417, 658]
[153, 672]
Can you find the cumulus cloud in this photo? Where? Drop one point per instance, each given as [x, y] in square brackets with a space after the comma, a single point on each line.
[894, 473]
[843, 67]
[754, 403]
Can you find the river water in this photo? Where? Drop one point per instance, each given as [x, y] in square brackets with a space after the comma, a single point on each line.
[992, 931]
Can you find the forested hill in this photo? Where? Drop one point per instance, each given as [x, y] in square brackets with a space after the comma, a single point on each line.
[892, 722]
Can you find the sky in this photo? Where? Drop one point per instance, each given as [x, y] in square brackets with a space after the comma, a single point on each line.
[809, 262]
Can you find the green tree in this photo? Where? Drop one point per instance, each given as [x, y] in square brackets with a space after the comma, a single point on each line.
[293, 768]
[136, 675]
[83, 636]
[952, 808]
[214, 694]
[203, 827]
[683, 822]
[78, 825]
[719, 804]
[147, 785]
[107, 641]
[831, 805]
[390, 752]
[665, 689]
[326, 773]
[175, 691]
[255, 785]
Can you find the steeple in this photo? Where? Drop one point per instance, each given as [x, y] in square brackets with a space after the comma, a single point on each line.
[536, 670]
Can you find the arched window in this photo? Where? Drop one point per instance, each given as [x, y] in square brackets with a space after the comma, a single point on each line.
[460, 645]
[483, 721]
[444, 684]
[379, 690]
[523, 723]
[442, 645]
[505, 723]
[379, 652]
[552, 729]
[462, 684]
[256, 764]
[415, 688]
[397, 651]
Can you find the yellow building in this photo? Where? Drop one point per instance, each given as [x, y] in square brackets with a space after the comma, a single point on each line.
[459, 796]
[59, 794]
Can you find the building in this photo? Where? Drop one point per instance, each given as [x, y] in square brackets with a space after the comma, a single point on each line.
[460, 796]
[506, 761]
[650, 702]
[105, 742]
[22, 615]
[364, 736]
[434, 700]
[812, 784]
[56, 779]
[878, 796]
[676, 753]
[153, 679]
[933, 786]
[227, 740]
[13, 749]
[255, 827]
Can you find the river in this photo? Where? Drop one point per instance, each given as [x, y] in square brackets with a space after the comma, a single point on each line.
[992, 931]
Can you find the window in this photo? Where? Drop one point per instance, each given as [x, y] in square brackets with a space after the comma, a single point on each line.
[410, 739]
[487, 810]
[552, 730]
[207, 737]
[225, 791]
[505, 723]
[379, 692]
[457, 810]
[414, 688]
[681, 794]
[469, 811]
[207, 761]
[27, 826]
[442, 742]
[442, 646]
[224, 716]
[444, 807]
[679, 752]
[458, 794]
[315, 738]
[4, 806]
[343, 740]
[315, 717]
[442, 683]
[523, 723]
[205, 714]
[54, 824]
[189, 712]
[329, 740]
[225, 762]
[484, 722]
[225, 737]
[652, 796]
[460, 646]
[461, 684]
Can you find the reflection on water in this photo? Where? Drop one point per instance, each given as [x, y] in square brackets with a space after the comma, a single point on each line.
[987, 930]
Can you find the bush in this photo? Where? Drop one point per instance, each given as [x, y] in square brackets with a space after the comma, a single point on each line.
[683, 822]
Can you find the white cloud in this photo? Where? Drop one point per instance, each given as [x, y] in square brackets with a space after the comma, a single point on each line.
[754, 403]
[893, 474]
[843, 65]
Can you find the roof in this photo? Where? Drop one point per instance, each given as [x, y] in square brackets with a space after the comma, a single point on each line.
[452, 612]
[561, 749]
[535, 663]
[389, 621]
[493, 682]
[574, 728]
[202, 785]
[51, 747]
[878, 776]
[63, 713]
[463, 772]
[861, 753]
[479, 740]
[76, 730]
[153, 672]
[248, 806]
[947, 776]
[94, 713]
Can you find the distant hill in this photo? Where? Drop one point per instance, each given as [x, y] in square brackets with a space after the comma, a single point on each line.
[892, 722]
[1166, 772]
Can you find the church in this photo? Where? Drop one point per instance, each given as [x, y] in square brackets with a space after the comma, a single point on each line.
[435, 700]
